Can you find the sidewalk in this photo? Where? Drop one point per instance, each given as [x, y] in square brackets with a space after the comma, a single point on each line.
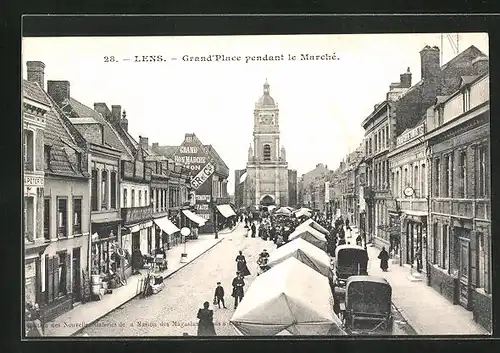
[423, 308]
[83, 315]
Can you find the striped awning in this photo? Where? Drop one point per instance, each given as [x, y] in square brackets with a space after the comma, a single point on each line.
[166, 225]
[226, 210]
[194, 217]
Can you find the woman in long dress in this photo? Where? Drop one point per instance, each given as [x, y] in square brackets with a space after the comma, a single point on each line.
[206, 323]
[241, 265]
[384, 259]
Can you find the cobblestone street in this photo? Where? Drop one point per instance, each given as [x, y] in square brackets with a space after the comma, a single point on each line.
[172, 312]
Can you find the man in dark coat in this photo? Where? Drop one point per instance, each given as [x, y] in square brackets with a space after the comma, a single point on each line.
[254, 230]
[238, 293]
[384, 259]
[219, 295]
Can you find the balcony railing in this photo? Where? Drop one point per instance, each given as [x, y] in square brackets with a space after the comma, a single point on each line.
[137, 214]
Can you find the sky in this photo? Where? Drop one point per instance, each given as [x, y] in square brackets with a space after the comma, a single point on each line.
[322, 102]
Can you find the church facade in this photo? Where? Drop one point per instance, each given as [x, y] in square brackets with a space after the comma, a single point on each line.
[266, 179]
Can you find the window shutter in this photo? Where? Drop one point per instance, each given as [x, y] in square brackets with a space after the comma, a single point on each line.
[49, 274]
[68, 273]
[55, 274]
[473, 258]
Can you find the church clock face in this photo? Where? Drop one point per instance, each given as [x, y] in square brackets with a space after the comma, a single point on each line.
[266, 119]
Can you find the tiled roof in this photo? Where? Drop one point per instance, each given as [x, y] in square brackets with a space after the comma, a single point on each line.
[33, 91]
[216, 155]
[167, 150]
[111, 137]
[78, 121]
[54, 134]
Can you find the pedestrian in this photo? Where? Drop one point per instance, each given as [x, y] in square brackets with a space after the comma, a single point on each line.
[206, 323]
[418, 257]
[254, 230]
[241, 264]
[347, 224]
[384, 259]
[219, 295]
[359, 241]
[238, 292]
[279, 241]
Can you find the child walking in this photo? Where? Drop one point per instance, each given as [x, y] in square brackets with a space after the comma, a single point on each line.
[219, 295]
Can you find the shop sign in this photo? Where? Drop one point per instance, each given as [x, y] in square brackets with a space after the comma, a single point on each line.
[32, 180]
[202, 176]
[192, 153]
[410, 135]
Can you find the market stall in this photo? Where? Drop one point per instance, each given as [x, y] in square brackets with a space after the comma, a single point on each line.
[306, 253]
[290, 297]
[311, 223]
[311, 235]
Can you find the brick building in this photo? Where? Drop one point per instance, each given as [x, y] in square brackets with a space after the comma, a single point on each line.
[459, 256]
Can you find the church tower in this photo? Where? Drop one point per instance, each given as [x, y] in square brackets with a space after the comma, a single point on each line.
[267, 181]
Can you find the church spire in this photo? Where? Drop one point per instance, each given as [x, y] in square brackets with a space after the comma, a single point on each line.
[266, 87]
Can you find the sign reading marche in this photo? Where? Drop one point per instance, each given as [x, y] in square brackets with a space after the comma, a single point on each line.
[203, 175]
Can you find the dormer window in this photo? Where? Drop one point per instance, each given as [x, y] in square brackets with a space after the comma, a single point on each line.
[466, 99]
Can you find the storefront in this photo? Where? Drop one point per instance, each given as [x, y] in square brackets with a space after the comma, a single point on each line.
[164, 229]
[195, 220]
[104, 243]
[414, 237]
[394, 230]
[226, 211]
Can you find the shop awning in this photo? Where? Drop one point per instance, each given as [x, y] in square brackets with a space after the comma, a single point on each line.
[226, 210]
[166, 225]
[194, 217]
[415, 213]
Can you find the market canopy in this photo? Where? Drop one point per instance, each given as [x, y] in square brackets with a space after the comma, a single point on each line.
[303, 212]
[315, 225]
[166, 225]
[194, 217]
[283, 211]
[311, 235]
[289, 297]
[226, 210]
[306, 253]
[270, 208]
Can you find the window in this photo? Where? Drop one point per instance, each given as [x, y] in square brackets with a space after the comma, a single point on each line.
[446, 177]
[146, 201]
[267, 152]
[366, 147]
[462, 174]
[405, 178]
[104, 190]
[387, 136]
[396, 186]
[435, 236]
[445, 258]
[375, 143]
[437, 178]
[125, 195]
[46, 156]
[113, 190]
[440, 116]
[93, 196]
[28, 150]
[140, 198]
[415, 180]
[482, 172]
[422, 182]
[62, 288]
[132, 197]
[46, 218]
[466, 99]
[77, 216]
[62, 217]
[371, 145]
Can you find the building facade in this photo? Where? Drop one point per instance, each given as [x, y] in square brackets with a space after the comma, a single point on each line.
[459, 257]
[35, 106]
[267, 176]
[312, 186]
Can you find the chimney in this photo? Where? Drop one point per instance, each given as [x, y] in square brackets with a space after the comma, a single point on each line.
[143, 142]
[155, 147]
[124, 121]
[36, 72]
[59, 91]
[481, 65]
[429, 62]
[116, 113]
[405, 79]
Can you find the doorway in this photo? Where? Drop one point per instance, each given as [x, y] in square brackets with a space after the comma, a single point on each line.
[267, 201]
[464, 259]
[77, 295]
[136, 240]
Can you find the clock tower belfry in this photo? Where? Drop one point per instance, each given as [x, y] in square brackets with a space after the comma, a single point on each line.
[267, 168]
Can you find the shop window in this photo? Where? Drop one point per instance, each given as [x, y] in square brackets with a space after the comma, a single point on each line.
[125, 195]
[132, 198]
[77, 216]
[267, 152]
[46, 218]
[62, 217]
[113, 190]
[46, 156]
[104, 190]
[93, 196]
[445, 259]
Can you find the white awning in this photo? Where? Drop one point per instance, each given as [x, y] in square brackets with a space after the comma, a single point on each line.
[194, 217]
[243, 177]
[226, 210]
[166, 225]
